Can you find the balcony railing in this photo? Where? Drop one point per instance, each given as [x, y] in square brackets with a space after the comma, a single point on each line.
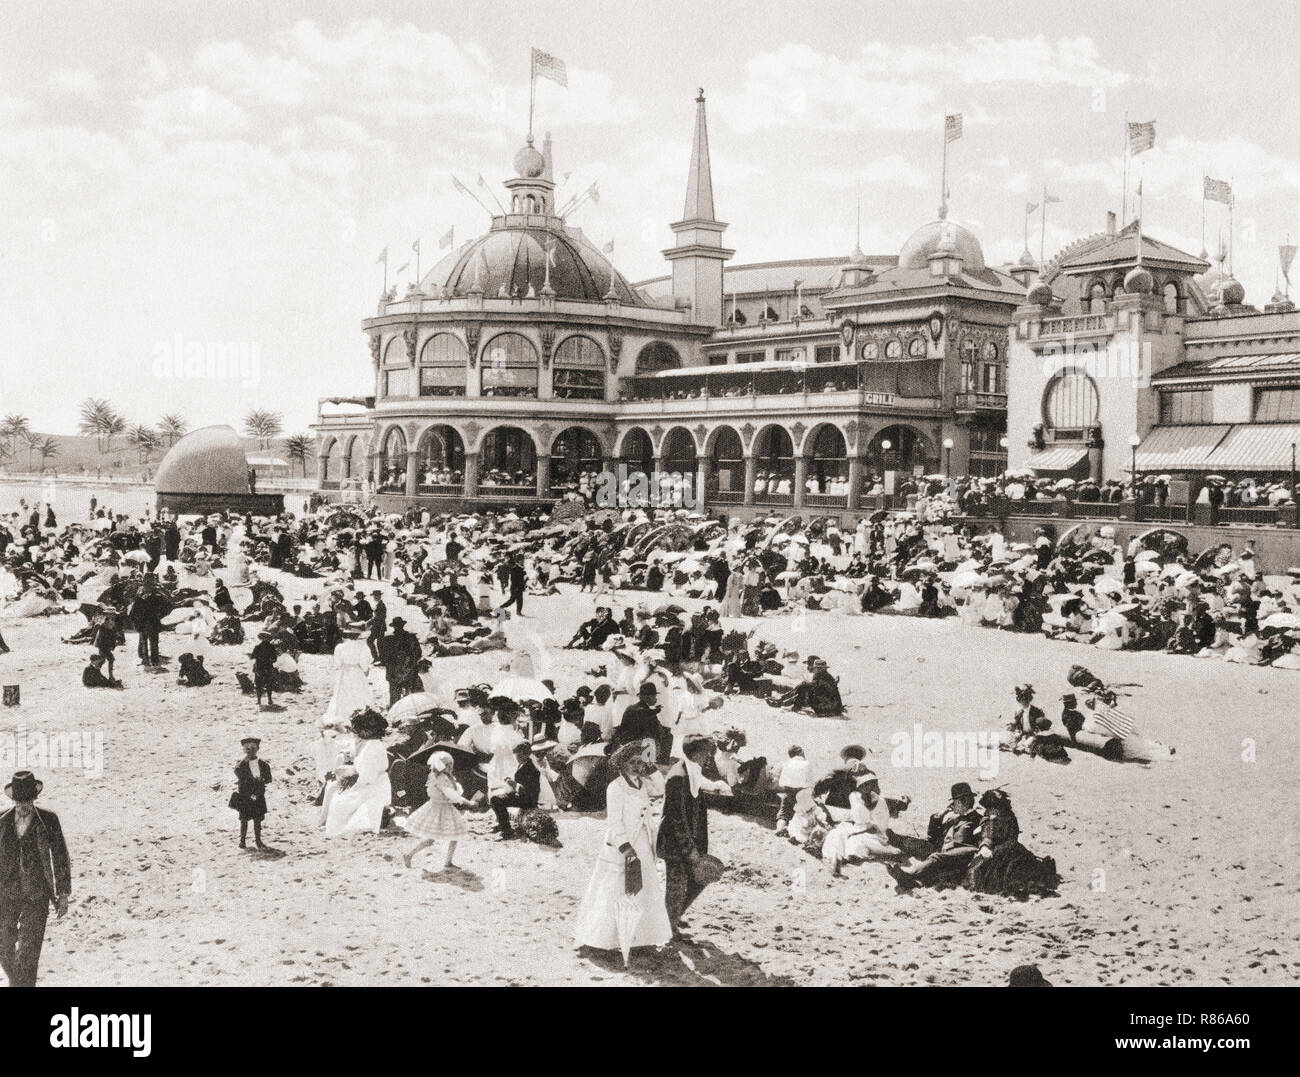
[826, 501]
[914, 379]
[981, 401]
[1083, 323]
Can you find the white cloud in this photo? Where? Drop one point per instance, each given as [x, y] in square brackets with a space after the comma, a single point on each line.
[77, 81]
[192, 112]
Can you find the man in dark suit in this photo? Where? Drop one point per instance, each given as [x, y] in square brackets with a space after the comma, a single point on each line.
[378, 625]
[518, 582]
[684, 832]
[525, 790]
[641, 720]
[953, 836]
[147, 612]
[399, 654]
[34, 873]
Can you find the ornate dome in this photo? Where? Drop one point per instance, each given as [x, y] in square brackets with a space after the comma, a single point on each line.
[945, 236]
[510, 259]
[209, 460]
[1232, 293]
[1139, 280]
[1040, 295]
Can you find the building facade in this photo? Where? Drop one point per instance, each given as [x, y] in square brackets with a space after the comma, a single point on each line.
[524, 365]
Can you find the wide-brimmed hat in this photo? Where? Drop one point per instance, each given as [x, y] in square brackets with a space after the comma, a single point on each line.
[369, 724]
[398, 622]
[250, 740]
[961, 789]
[24, 785]
[634, 750]
[647, 689]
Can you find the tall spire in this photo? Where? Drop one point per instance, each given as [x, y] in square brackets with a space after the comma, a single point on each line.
[699, 182]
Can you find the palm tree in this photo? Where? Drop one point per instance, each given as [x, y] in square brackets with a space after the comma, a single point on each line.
[173, 428]
[298, 447]
[13, 427]
[263, 425]
[145, 439]
[48, 448]
[99, 420]
[33, 439]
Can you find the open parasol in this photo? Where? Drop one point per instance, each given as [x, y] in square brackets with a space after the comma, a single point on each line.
[415, 704]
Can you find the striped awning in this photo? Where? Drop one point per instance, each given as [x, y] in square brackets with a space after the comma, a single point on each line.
[1255, 447]
[1057, 458]
[1179, 448]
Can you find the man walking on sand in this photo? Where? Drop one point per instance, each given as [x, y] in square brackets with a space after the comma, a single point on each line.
[34, 872]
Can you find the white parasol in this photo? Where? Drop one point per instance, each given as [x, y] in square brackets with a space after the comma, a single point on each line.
[627, 918]
[415, 704]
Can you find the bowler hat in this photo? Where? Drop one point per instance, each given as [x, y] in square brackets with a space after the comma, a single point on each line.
[24, 786]
[250, 740]
[648, 689]
[961, 789]
[1027, 976]
[397, 622]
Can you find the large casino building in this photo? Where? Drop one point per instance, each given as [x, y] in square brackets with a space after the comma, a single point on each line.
[524, 364]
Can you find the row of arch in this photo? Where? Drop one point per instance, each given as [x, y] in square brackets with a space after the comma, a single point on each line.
[509, 366]
[1099, 290]
[508, 457]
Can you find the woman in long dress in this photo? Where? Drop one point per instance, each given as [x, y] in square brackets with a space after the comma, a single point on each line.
[629, 840]
[351, 686]
[865, 833]
[360, 806]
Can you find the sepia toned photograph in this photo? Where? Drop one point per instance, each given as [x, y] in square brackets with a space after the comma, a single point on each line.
[659, 496]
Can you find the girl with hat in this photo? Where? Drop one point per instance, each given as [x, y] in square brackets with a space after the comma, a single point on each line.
[625, 872]
[865, 834]
[252, 776]
[439, 818]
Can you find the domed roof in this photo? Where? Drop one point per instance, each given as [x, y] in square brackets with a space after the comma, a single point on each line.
[945, 236]
[1232, 293]
[1041, 294]
[209, 460]
[1139, 280]
[513, 258]
[529, 161]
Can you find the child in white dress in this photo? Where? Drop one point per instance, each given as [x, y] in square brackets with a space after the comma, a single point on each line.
[439, 818]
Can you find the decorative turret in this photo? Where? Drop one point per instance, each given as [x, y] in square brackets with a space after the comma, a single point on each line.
[698, 256]
[532, 191]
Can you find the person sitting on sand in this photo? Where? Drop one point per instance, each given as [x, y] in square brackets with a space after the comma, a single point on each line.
[93, 675]
[953, 834]
[865, 834]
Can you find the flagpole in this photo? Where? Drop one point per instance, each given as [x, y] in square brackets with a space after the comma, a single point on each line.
[1042, 230]
[532, 91]
[1040, 259]
[417, 259]
[1232, 205]
[943, 182]
[1123, 204]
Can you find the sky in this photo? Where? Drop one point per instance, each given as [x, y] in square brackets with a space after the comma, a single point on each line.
[177, 174]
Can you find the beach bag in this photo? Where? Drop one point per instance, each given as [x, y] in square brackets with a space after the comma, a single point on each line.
[632, 877]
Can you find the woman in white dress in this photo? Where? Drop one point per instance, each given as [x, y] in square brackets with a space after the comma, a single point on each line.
[351, 686]
[360, 806]
[865, 834]
[629, 844]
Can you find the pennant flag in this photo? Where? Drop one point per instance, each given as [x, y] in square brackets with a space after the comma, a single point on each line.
[383, 257]
[447, 240]
[952, 127]
[482, 182]
[608, 248]
[594, 193]
[1218, 191]
[415, 247]
[549, 67]
[1030, 207]
[403, 267]
[1286, 255]
[1050, 199]
[1141, 136]
[459, 186]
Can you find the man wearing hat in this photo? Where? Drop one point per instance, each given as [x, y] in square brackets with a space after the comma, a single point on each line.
[952, 834]
[252, 776]
[34, 872]
[684, 830]
[378, 624]
[147, 612]
[399, 654]
[264, 656]
[641, 720]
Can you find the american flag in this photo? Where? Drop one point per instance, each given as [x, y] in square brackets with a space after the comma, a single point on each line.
[1141, 136]
[952, 127]
[1218, 191]
[1113, 721]
[549, 67]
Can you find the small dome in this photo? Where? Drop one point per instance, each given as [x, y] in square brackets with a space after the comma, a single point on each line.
[1232, 293]
[209, 460]
[1027, 260]
[1041, 294]
[529, 163]
[941, 237]
[1139, 280]
[857, 258]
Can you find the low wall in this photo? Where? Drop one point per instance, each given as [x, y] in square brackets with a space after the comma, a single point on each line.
[202, 504]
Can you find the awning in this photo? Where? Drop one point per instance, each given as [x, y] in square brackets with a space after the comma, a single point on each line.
[1057, 458]
[1255, 447]
[1179, 448]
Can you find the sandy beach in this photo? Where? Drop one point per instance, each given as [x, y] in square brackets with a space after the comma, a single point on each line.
[1182, 873]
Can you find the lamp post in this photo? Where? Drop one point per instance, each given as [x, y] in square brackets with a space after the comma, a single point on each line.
[947, 464]
[1133, 442]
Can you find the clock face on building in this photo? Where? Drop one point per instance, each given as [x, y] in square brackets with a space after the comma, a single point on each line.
[916, 348]
[990, 352]
[894, 349]
[870, 350]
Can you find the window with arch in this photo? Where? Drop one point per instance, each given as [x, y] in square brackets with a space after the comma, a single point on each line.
[1097, 298]
[509, 367]
[1171, 298]
[444, 363]
[1070, 401]
[579, 370]
[395, 377]
[991, 371]
[656, 356]
[968, 351]
[392, 460]
[916, 347]
[894, 349]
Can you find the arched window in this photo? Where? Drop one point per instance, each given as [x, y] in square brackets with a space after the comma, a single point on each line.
[991, 368]
[442, 458]
[443, 366]
[509, 366]
[1097, 299]
[395, 377]
[828, 463]
[579, 370]
[727, 461]
[968, 352]
[576, 460]
[1171, 298]
[392, 460]
[637, 452]
[657, 356]
[354, 463]
[508, 458]
[331, 462]
[774, 461]
[1070, 401]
